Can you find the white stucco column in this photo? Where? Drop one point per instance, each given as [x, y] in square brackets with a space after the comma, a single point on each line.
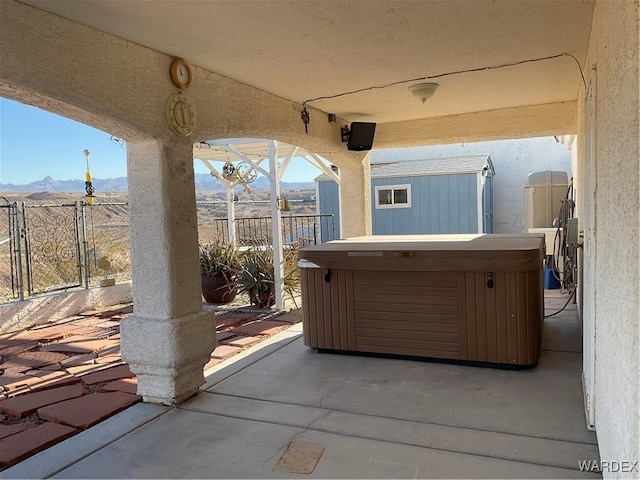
[355, 198]
[169, 338]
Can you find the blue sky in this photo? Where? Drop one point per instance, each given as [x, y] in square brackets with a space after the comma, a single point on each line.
[35, 144]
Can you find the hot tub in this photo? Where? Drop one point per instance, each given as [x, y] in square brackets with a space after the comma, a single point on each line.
[461, 298]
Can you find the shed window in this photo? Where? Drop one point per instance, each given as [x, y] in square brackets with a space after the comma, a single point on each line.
[393, 196]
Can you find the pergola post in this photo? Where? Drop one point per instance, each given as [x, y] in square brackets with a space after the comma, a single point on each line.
[231, 215]
[276, 224]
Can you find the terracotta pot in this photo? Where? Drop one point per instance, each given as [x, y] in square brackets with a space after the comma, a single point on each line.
[216, 289]
[262, 299]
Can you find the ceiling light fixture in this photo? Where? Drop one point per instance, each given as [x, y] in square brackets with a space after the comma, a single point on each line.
[423, 91]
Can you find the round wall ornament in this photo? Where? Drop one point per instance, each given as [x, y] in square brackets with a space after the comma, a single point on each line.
[181, 73]
[181, 115]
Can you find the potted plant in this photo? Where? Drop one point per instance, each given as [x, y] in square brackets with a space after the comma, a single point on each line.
[219, 265]
[257, 277]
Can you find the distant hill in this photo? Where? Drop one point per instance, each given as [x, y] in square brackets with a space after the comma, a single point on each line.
[204, 182]
[49, 184]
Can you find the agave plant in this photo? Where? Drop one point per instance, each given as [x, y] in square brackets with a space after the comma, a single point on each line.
[219, 259]
[219, 265]
[257, 277]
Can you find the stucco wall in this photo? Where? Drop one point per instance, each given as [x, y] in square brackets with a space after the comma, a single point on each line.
[503, 124]
[513, 160]
[614, 51]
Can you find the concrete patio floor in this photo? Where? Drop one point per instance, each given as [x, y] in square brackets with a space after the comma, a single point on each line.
[338, 416]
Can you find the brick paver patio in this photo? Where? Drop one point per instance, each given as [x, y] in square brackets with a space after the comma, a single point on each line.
[61, 378]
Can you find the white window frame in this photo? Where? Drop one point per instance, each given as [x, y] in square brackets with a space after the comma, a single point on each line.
[404, 186]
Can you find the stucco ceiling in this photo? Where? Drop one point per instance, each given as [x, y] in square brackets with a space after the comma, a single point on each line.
[301, 50]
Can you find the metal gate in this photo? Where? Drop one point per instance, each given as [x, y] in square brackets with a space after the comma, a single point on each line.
[8, 276]
[52, 239]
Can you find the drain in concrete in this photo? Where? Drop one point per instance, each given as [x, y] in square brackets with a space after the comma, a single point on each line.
[299, 457]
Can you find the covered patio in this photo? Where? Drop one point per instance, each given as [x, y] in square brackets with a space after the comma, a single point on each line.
[505, 70]
[283, 410]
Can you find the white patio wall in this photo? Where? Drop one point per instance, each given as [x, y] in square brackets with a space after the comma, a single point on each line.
[49, 308]
[613, 49]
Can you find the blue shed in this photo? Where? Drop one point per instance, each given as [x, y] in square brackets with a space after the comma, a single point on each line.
[427, 196]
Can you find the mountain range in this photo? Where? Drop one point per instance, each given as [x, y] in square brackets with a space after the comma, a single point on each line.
[204, 182]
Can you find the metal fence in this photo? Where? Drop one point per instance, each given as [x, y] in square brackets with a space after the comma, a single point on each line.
[301, 230]
[8, 277]
[253, 223]
[50, 247]
[107, 242]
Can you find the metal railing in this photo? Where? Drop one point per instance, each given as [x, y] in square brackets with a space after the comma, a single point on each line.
[51, 247]
[107, 237]
[296, 229]
[8, 275]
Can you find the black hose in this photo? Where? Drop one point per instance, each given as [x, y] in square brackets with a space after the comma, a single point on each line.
[565, 305]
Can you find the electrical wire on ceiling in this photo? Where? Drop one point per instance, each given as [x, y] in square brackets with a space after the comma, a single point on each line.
[447, 74]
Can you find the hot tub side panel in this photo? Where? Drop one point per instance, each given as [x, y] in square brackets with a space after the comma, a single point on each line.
[328, 308]
[403, 313]
[503, 324]
[407, 313]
